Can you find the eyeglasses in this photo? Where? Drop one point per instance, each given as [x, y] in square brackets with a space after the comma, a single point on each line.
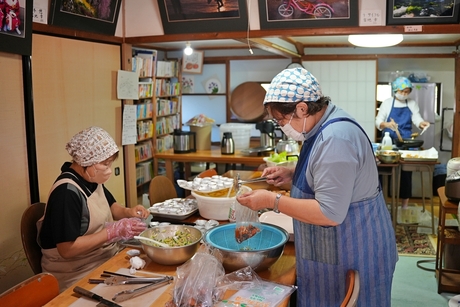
[103, 166]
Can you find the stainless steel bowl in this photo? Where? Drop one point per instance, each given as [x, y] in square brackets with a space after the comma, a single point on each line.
[258, 252]
[389, 156]
[170, 255]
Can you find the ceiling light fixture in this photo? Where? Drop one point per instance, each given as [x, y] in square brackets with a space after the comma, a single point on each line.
[188, 50]
[375, 40]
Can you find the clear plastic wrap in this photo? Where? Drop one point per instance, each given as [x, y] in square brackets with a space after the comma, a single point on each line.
[196, 279]
[247, 223]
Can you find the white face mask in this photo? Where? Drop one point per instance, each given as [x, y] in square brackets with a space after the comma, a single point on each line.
[292, 133]
[401, 97]
[101, 176]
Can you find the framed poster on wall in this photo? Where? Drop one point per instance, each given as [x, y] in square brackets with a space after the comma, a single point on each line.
[191, 16]
[16, 31]
[96, 16]
[307, 14]
[422, 12]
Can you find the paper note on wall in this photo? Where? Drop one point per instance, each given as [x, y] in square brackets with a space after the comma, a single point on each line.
[129, 133]
[127, 83]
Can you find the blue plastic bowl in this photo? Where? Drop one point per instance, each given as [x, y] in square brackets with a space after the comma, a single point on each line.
[258, 252]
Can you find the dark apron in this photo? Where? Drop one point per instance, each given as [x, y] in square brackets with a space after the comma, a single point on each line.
[402, 116]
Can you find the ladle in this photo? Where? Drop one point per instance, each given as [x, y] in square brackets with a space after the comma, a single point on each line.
[152, 240]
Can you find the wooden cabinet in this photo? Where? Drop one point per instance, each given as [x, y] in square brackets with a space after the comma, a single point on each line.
[448, 278]
[158, 113]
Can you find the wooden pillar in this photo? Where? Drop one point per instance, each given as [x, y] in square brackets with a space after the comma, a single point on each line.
[456, 130]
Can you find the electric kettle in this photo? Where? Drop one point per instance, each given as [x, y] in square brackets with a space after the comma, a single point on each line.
[267, 133]
[184, 141]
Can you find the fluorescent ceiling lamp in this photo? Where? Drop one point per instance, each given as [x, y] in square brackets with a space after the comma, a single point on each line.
[188, 50]
[375, 40]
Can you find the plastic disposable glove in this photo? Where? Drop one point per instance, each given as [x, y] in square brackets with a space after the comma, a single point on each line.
[124, 229]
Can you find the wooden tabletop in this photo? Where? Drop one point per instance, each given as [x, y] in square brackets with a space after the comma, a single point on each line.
[282, 271]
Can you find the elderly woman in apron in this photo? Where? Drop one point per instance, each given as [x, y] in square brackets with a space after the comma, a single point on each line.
[77, 232]
[340, 218]
[398, 113]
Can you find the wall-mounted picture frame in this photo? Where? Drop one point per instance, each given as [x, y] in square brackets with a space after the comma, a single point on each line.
[287, 14]
[422, 12]
[100, 17]
[16, 29]
[193, 64]
[191, 16]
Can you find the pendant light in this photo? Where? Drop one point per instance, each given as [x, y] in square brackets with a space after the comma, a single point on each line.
[188, 49]
[375, 40]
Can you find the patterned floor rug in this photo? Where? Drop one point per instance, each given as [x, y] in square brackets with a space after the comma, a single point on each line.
[409, 242]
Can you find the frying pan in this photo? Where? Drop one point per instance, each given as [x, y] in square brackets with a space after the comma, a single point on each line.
[409, 143]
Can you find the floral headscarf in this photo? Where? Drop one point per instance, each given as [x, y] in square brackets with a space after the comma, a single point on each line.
[91, 146]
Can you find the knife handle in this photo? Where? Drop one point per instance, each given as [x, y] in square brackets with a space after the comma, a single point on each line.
[87, 293]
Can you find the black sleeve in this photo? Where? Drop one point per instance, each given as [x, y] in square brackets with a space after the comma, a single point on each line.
[63, 216]
[110, 199]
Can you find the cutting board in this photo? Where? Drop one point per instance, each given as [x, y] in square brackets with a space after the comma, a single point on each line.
[246, 102]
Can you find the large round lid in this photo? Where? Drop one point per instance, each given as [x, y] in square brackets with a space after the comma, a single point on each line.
[246, 102]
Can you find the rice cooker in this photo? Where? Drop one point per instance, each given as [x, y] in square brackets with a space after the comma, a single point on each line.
[452, 187]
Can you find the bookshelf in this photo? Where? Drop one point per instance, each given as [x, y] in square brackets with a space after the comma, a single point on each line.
[158, 113]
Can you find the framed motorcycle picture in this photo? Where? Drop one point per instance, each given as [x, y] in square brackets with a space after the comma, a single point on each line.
[288, 14]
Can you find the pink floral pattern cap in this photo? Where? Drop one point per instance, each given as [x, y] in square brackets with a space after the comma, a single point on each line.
[293, 85]
[91, 146]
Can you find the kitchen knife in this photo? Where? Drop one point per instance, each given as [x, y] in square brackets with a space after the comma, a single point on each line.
[127, 294]
[94, 296]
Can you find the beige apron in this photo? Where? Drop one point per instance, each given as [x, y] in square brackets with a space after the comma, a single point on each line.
[69, 271]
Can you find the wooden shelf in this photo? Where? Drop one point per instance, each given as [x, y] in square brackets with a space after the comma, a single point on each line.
[203, 94]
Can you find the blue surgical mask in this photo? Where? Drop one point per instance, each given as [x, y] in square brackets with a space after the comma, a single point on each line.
[292, 133]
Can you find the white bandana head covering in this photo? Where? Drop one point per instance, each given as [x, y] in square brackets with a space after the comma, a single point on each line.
[293, 85]
[91, 146]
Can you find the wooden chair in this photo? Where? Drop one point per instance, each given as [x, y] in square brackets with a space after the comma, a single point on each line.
[35, 291]
[207, 173]
[161, 189]
[352, 289]
[29, 235]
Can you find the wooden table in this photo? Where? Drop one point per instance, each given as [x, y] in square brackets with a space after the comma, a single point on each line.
[282, 271]
[214, 155]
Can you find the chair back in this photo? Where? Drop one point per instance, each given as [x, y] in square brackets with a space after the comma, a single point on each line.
[35, 291]
[161, 189]
[207, 173]
[354, 295]
[350, 283]
[29, 235]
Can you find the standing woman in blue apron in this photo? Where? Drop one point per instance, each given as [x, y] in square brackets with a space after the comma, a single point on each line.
[340, 218]
[404, 111]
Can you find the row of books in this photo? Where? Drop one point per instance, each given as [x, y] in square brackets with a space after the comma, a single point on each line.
[166, 107]
[167, 124]
[144, 110]
[145, 89]
[165, 143]
[143, 151]
[167, 87]
[144, 129]
[143, 62]
[144, 172]
[167, 69]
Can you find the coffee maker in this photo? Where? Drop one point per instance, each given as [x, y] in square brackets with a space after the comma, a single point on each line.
[267, 133]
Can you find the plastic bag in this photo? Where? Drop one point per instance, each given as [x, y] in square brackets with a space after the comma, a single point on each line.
[250, 289]
[247, 221]
[196, 279]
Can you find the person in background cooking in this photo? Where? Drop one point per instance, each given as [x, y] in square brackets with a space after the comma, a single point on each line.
[78, 233]
[399, 112]
[340, 218]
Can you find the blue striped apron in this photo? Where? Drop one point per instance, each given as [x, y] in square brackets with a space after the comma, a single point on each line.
[365, 241]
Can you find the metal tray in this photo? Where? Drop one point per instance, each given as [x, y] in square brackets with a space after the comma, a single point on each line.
[174, 209]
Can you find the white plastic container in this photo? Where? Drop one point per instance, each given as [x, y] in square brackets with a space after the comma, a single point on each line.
[453, 165]
[241, 134]
[216, 208]
[387, 143]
